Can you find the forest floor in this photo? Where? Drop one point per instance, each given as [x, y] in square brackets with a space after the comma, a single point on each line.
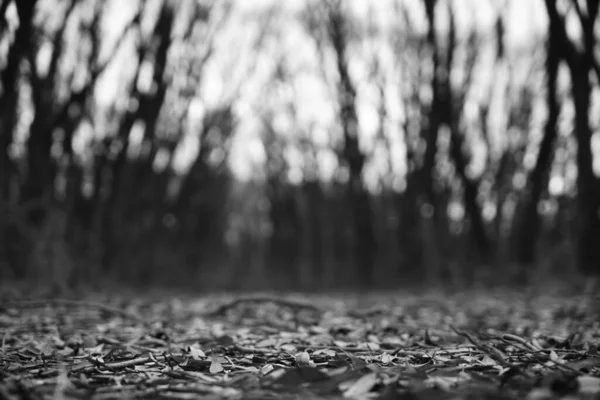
[493, 344]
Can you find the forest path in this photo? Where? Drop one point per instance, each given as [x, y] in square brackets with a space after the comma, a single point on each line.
[501, 344]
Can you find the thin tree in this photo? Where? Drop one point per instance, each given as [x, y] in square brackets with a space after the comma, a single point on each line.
[581, 65]
[9, 79]
[338, 31]
[538, 179]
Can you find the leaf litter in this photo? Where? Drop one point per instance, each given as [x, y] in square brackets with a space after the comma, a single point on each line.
[474, 345]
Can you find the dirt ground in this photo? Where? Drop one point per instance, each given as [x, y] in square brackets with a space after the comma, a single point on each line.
[503, 344]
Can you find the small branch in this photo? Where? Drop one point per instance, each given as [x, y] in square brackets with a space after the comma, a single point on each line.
[99, 68]
[491, 351]
[509, 337]
[73, 303]
[294, 304]
[3, 7]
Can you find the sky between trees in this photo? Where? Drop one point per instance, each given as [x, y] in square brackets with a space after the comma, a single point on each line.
[238, 65]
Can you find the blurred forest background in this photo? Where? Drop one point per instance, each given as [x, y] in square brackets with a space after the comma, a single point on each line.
[306, 144]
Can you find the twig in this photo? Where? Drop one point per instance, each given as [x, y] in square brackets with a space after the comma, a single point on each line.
[509, 337]
[493, 352]
[73, 303]
[294, 304]
[119, 364]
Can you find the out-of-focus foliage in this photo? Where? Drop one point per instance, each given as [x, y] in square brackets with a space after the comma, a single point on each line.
[307, 144]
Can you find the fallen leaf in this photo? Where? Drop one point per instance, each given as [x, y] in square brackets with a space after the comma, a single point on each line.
[303, 358]
[386, 358]
[196, 352]
[361, 387]
[215, 367]
[589, 385]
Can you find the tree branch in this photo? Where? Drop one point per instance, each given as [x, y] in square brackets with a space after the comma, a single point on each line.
[557, 22]
[3, 7]
[99, 67]
[57, 41]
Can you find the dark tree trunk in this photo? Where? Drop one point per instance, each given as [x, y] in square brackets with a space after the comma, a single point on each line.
[364, 237]
[427, 208]
[433, 116]
[37, 191]
[478, 231]
[411, 247]
[451, 117]
[314, 197]
[286, 236]
[9, 78]
[538, 180]
[149, 105]
[588, 185]
[11, 244]
[3, 7]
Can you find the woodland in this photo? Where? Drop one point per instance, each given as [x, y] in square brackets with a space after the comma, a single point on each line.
[302, 146]
[307, 199]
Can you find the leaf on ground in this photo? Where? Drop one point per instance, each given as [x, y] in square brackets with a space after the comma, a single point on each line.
[589, 385]
[196, 352]
[215, 367]
[362, 386]
[301, 375]
[303, 358]
[491, 345]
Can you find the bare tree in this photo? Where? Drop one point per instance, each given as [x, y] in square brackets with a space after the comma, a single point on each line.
[581, 64]
[538, 180]
[338, 31]
[454, 104]
[9, 78]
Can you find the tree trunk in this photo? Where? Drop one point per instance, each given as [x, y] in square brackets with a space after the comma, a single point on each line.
[364, 237]
[11, 243]
[3, 7]
[433, 116]
[9, 78]
[588, 185]
[427, 205]
[538, 180]
[473, 210]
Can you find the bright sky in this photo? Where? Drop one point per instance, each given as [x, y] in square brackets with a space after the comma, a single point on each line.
[228, 70]
[524, 21]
